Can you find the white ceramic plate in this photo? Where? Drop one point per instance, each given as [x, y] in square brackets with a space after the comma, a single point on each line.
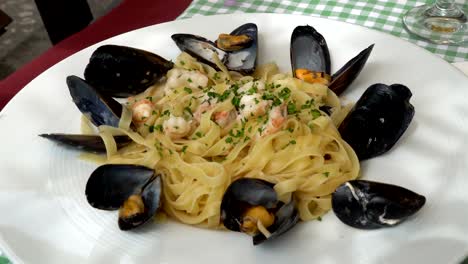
[44, 216]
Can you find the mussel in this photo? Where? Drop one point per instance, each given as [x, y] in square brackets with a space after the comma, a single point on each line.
[134, 190]
[310, 60]
[121, 71]
[251, 206]
[238, 50]
[99, 109]
[378, 119]
[371, 205]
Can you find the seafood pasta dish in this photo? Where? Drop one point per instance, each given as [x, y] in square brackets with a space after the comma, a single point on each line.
[203, 129]
[215, 140]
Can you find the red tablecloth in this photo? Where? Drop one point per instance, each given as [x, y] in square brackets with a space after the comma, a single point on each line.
[129, 15]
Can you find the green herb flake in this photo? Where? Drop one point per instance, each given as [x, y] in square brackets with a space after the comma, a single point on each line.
[224, 96]
[292, 142]
[291, 108]
[187, 90]
[199, 134]
[246, 139]
[182, 62]
[290, 129]
[319, 218]
[216, 76]
[235, 101]
[151, 129]
[326, 174]
[184, 148]
[154, 112]
[158, 128]
[188, 110]
[285, 93]
[228, 140]
[189, 80]
[166, 112]
[315, 113]
[150, 98]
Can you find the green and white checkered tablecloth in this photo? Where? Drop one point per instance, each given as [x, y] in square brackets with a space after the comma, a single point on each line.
[383, 15]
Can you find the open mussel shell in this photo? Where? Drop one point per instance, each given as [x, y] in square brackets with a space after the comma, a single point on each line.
[242, 60]
[98, 108]
[121, 71]
[200, 48]
[133, 189]
[348, 73]
[245, 60]
[371, 205]
[247, 193]
[309, 50]
[378, 119]
[91, 143]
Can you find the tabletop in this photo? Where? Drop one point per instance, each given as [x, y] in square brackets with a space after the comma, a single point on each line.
[382, 15]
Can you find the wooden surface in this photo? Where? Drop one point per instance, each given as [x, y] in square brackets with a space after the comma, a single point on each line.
[5, 20]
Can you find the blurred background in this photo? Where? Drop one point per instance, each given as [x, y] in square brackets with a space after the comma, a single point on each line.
[26, 37]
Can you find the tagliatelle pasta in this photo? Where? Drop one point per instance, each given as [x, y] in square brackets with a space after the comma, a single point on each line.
[201, 129]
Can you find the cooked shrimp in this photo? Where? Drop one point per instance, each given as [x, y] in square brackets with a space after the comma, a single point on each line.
[176, 127]
[253, 105]
[180, 77]
[276, 119]
[141, 110]
[222, 118]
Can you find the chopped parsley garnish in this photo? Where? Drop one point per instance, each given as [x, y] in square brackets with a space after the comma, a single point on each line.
[308, 104]
[291, 108]
[184, 148]
[182, 62]
[252, 90]
[151, 129]
[166, 112]
[216, 76]
[246, 139]
[188, 110]
[150, 98]
[315, 113]
[224, 96]
[319, 218]
[290, 129]
[292, 142]
[189, 80]
[199, 134]
[285, 93]
[158, 128]
[212, 94]
[235, 101]
[229, 140]
[187, 90]
[154, 112]
[326, 174]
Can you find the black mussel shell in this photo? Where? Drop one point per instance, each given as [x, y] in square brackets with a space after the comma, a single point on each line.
[371, 205]
[109, 186]
[286, 218]
[121, 71]
[247, 192]
[309, 50]
[98, 108]
[243, 60]
[378, 119]
[92, 143]
[348, 73]
[200, 48]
